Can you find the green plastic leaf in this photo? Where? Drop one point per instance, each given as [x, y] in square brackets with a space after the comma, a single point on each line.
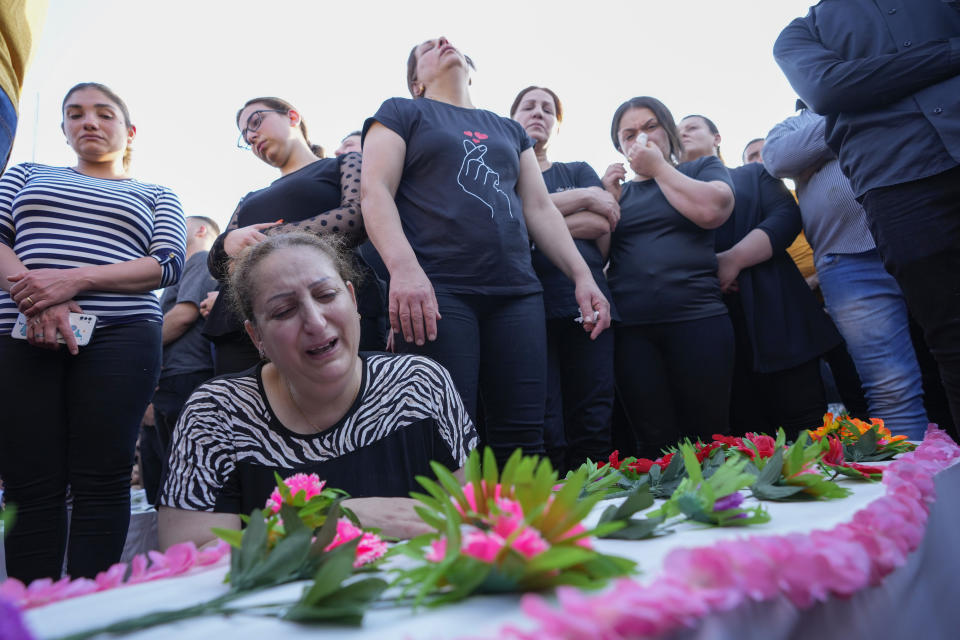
[253, 548]
[335, 567]
[233, 537]
[638, 500]
[281, 564]
[490, 473]
[775, 492]
[559, 557]
[866, 444]
[772, 470]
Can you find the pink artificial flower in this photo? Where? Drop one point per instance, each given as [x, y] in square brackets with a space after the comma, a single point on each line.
[369, 548]
[529, 543]
[576, 530]
[311, 485]
[483, 546]
[178, 559]
[470, 494]
[211, 555]
[112, 577]
[438, 550]
[707, 570]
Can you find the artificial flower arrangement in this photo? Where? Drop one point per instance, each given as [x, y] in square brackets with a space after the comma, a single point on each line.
[862, 442]
[298, 535]
[805, 569]
[504, 532]
[714, 499]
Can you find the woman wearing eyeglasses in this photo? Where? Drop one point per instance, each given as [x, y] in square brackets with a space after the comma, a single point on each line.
[313, 194]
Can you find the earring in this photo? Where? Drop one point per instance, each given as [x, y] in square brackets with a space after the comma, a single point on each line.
[261, 351]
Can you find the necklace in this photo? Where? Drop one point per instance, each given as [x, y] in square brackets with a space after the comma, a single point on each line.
[296, 406]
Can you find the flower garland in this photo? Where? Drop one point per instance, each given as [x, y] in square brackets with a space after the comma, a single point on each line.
[153, 565]
[298, 535]
[804, 568]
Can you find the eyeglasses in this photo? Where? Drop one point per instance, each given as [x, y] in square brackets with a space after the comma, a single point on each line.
[253, 123]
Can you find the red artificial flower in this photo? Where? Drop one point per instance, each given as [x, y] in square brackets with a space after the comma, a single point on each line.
[704, 450]
[729, 441]
[664, 461]
[642, 465]
[765, 445]
[614, 459]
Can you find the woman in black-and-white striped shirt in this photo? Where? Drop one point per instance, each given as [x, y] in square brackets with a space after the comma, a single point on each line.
[366, 423]
[85, 238]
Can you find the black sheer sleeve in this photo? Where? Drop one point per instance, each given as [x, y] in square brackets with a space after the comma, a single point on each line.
[344, 220]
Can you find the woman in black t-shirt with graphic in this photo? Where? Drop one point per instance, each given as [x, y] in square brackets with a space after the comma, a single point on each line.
[674, 344]
[579, 371]
[313, 194]
[449, 193]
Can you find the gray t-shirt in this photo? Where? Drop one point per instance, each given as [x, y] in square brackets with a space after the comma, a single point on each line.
[191, 351]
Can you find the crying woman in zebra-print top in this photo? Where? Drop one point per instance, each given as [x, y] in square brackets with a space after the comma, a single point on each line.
[366, 423]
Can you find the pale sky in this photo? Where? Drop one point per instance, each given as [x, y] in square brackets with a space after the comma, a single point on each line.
[184, 67]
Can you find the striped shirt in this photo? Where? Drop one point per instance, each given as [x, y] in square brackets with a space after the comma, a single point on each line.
[58, 218]
[833, 220]
[229, 442]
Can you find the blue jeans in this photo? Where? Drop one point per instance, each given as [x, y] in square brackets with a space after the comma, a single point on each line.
[869, 309]
[495, 349]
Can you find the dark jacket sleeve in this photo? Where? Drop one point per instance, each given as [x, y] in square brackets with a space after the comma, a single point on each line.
[830, 83]
[780, 213]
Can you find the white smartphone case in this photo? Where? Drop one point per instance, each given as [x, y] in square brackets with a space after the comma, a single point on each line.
[82, 325]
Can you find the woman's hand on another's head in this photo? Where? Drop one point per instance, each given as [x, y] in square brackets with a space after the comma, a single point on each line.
[239, 239]
[42, 327]
[395, 517]
[613, 179]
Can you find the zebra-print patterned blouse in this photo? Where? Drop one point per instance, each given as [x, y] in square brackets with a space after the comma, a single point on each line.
[228, 442]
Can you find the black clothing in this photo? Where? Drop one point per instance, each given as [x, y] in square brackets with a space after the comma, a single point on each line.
[558, 290]
[457, 197]
[663, 267]
[785, 323]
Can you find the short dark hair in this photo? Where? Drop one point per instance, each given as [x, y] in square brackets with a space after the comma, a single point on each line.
[557, 105]
[747, 146]
[351, 134]
[285, 107]
[660, 111]
[211, 225]
[412, 69]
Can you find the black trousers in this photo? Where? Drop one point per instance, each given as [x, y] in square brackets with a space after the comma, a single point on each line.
[168, 400]
[917, 229]
[673, 380]
[579, 394]
[73, 421]
[495, 350]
